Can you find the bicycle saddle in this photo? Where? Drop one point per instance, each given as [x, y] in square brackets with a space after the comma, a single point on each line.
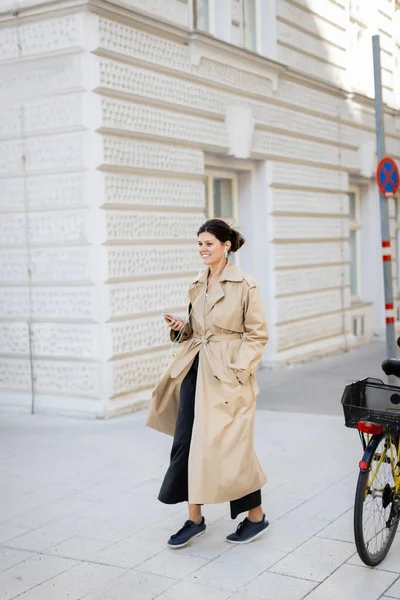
[391, 366]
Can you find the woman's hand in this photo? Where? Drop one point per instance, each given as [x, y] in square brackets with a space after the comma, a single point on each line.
[173, 322]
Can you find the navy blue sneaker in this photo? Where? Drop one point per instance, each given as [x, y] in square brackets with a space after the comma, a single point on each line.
[183, 536]
[247, 531]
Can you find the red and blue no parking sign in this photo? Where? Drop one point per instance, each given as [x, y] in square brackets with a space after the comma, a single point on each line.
[387, 176]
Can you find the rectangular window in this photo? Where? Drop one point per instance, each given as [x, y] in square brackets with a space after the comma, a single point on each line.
[235, 22]
[222, 198]
[249, 25]
[222, 194]
[201, 15]
[354, 242]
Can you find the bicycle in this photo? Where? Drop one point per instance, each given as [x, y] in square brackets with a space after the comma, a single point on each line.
[373, 408]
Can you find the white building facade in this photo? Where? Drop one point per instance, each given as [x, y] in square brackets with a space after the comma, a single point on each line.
[124, 124]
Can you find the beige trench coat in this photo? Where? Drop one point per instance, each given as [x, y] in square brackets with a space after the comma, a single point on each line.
[229, 330]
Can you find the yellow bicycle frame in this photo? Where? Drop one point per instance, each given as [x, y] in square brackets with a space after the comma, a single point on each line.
[395, 465]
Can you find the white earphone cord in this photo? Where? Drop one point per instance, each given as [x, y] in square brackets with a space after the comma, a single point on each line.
[186, 321]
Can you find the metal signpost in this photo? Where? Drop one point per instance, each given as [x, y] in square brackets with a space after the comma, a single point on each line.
[388, 181]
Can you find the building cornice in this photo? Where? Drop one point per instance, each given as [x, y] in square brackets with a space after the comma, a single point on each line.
[201, 45]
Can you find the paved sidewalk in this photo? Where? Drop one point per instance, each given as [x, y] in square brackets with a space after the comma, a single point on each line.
[318, 386]
[79, 516]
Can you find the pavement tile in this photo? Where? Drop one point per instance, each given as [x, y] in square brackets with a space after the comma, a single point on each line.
[394, 590]
[190, 591]
[133, 585]
[315, 560]
[33, 519]
[290, 531]
[10, 532]
[351, 583]
[271, 586]
[332, 502]
[212, 544]
[44, 538]
[134, 549]
[10, 557]
[171, 563]
[391, 562]
[79, 548]
[30, 573]
[75, 583]
[236, 568]
[341, 529]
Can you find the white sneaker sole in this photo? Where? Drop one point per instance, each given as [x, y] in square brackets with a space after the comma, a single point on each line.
[259, 534]
[186, 543]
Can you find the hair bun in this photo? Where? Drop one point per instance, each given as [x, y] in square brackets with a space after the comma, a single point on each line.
[237, 240]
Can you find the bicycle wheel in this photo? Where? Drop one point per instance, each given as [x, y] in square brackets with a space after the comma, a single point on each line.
[376, 506]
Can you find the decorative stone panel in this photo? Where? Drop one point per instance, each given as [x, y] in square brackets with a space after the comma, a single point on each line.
[55, 153]
[49, 303]
[43, 228]
[55, 265]
[232, 77]
[304, 280]
[316, 46]
[11, 154]
[140, 45]
[66, 378]
[133, 80]
[120, 39]
[154, 191]
[43, 37]
[158, 296]
[126, 263]
[121, 152]
[309, 177]
[43, 77]
[48, 339]
[141, 119]
[274, 144]
[318, 228]
[292, 335]
[308, 305]
[138, 372]
[42, 115]
[49, 192]
[136, 226]
[176, 11]
[129, 79]
[298, 201]
[138, 335]
[309, 64]
[292, 255]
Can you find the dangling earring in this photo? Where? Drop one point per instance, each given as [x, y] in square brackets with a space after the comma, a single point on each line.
[226, 253]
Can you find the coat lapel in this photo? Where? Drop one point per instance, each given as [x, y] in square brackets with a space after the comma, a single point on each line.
[216, 294]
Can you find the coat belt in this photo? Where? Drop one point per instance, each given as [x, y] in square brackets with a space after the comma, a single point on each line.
[210, 337]
[192, 349]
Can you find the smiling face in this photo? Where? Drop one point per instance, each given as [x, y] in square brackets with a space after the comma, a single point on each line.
[211, 249]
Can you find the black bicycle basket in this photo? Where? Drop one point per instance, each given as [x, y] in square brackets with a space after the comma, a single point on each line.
[374, 401]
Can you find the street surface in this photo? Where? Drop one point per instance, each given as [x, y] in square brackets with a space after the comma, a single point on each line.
[79, 516]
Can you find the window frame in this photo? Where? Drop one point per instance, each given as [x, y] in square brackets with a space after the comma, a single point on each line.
[212, 21]
[212, 174]
[355, 225]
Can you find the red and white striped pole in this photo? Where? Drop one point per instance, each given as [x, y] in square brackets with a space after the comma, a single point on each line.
[387, 258]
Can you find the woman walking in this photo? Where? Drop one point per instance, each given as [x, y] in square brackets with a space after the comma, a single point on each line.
[206, 398]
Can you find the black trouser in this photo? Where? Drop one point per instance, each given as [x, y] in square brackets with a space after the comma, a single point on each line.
[174, 488]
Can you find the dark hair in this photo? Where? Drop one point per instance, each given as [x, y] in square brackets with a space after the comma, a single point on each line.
[223, 232]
